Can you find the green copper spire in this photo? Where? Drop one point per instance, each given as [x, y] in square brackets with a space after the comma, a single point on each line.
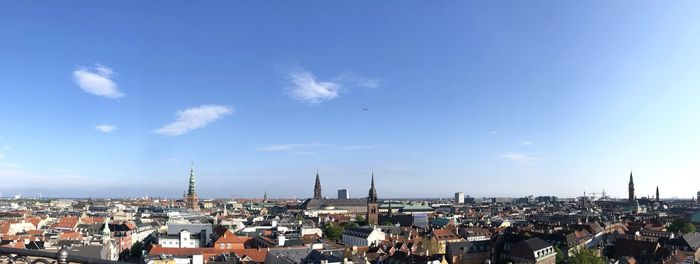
[106, 233]
[191, 190]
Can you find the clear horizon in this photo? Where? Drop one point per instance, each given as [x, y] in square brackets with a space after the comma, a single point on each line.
[503, 99]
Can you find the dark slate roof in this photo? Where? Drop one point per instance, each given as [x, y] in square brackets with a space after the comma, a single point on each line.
[88, 251]
[35, 245]
[402, 220]
[296, 254]
[358, 231]
[440, 222]
[635, 248]
[69, 243]
[271, 258]
[317, 256]
[467, 247]
[693, 240]
[536, 244]
[116, 227]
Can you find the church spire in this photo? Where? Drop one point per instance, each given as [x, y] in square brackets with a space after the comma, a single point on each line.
[317, 187]
[372, 191]
[372, 205]
[631, 180]
[631, 197]
[657, 193]
[191, 199]
[192, 190]
[106, 233]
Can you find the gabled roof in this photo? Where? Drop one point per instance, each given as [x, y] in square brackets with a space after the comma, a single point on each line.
[66, 223]
[635, 248]
[693, 240]
[295, 254]
[229, 237]
[329, 256]
[443, 234]
[33, 220]
[441, 222]
[467, 247]
[358, 231]
[536, 244]
[256, 255]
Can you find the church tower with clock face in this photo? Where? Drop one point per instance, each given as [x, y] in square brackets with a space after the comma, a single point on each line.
[372, 205]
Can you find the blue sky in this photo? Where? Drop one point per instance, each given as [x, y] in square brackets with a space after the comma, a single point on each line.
[492, 98]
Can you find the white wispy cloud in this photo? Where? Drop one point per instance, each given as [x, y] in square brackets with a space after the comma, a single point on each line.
[526, 143]
[306, 89]
[193, 118]
[519, 157]
[105, 128]
[357, 80]
[97, 81]
[304, 147]
[493, 132]
[361, 147]
[51, 178]
[291, 147]
[4, 149]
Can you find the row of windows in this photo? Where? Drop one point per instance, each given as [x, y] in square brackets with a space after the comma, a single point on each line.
[176, 243]
[225, 245]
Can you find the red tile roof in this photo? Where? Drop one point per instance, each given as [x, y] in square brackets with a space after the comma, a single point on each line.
[33, 220]
[66, 223]
[256, 255]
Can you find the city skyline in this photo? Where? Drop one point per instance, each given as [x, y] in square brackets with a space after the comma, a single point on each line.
[493, 100]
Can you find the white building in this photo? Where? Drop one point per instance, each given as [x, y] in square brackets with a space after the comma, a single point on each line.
[362, 236]
[183, 240]
[459, 198]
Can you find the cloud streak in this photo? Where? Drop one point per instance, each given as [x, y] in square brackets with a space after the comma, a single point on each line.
[97, 81]
[304, 147]
[105, 128]
[194, 118]
[290, 147]
[305, 87]
[519, 157]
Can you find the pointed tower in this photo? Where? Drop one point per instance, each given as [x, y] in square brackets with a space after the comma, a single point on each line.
[317, 187]
[372, 206]
[657, 193]
[106, 233]
[191, 198]
[265, 197]
[108, 251]
[631, 197]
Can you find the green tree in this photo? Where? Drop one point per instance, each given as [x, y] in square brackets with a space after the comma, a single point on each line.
[560, 255]
[332, 231]
[585, 256]
[688, 228]
[679, 225]
[135, 251]
[359, 218]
